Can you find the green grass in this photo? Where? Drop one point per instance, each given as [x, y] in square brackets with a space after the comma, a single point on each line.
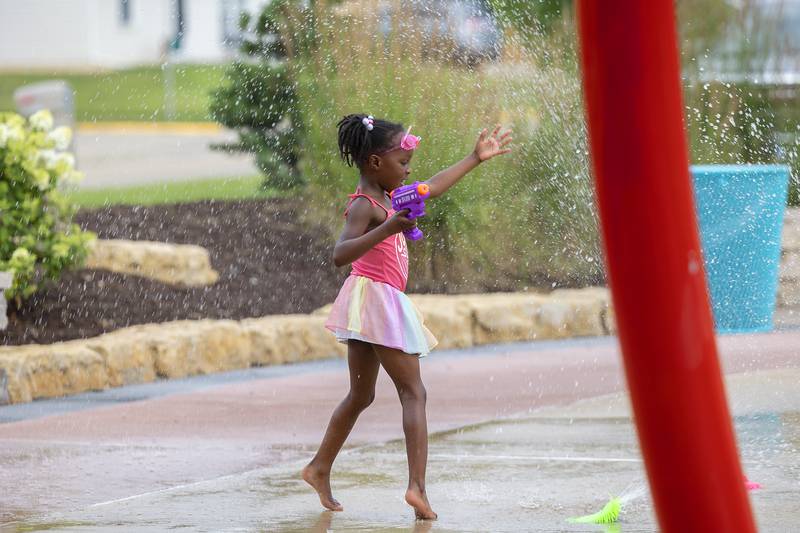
[176, 192]
[131, 94]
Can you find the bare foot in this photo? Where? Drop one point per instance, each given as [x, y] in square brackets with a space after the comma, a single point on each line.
[419, 501]
[322, 484]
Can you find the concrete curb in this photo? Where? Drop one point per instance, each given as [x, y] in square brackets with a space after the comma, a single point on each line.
[178, 349]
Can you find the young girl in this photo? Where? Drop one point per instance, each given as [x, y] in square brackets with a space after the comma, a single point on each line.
[371, 313]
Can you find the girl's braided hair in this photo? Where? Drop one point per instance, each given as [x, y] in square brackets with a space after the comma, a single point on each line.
[357, 143]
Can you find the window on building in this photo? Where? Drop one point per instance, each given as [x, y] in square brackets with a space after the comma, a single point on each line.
[125, 12]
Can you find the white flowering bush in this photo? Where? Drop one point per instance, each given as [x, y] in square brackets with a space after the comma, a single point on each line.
[37, 237]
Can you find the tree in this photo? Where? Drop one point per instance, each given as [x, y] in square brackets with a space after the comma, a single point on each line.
[258, 100]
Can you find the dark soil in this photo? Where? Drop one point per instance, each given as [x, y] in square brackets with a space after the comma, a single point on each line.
[267, 260]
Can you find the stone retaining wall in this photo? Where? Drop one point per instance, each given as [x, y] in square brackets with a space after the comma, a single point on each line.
[789, 288]
[178, 349]
[176, 264]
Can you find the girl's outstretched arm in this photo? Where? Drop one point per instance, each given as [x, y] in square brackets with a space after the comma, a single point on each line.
[487, 147]
[355, 240]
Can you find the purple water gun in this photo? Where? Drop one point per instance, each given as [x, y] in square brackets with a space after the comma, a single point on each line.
[411, 197]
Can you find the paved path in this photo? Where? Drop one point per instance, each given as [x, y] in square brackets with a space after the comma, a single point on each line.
[129, 155]
[104, 455]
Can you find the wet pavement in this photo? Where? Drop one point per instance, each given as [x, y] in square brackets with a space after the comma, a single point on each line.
[523, 437]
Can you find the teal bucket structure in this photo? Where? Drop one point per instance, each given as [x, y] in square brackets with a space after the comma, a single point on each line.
[740, 211]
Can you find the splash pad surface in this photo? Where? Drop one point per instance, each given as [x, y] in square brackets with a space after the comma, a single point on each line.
[522, 437]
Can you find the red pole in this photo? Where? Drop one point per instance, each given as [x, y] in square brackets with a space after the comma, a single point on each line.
[632, 91]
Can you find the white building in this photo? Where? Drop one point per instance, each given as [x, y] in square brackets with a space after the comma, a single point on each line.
[98, 34]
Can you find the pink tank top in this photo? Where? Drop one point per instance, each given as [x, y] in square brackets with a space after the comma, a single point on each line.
[387, 261]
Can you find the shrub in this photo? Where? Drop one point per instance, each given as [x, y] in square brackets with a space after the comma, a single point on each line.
[525, 219]
[527, 21]
[521, 220]
[37, 239]
[258, 101]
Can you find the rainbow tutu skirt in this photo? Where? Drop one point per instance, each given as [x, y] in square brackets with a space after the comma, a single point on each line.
[377, 313]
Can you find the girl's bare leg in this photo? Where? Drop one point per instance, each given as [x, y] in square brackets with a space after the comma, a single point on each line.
[363, 372]
[404, 371]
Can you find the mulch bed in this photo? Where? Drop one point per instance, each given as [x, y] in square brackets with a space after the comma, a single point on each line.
[267, 261]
